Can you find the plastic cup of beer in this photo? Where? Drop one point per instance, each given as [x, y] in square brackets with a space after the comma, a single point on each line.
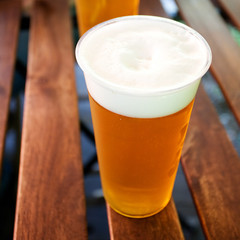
[142, 75]
[92, 12]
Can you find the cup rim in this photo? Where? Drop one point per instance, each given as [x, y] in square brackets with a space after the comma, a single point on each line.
[138, 91]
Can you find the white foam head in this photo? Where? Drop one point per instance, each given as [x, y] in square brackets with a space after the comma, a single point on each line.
[143, 66]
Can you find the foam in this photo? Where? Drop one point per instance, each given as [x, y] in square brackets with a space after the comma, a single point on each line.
[142, 66]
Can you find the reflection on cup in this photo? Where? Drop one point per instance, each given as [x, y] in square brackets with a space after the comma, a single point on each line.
[142, 74]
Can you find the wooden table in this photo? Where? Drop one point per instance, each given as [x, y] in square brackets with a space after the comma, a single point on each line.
[50, 200]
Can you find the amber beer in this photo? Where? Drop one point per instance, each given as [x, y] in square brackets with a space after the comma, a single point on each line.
[138, 158]
[142, 75]
[92, 12]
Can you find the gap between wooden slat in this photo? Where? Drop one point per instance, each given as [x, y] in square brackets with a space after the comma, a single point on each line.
[10, 14]
[232, 8]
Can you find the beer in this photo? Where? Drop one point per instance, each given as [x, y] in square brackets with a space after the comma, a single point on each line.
[142, 75]
[138, 158]
[92, 12]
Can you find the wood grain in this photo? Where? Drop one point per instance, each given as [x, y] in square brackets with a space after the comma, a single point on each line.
[212, 168]
[202, 16]
[232, 8]
[10, 12]
[50, 200]
[164, 225]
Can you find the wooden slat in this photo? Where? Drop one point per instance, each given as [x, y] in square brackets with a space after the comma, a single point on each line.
[151, 7]
[27, 6]
[203, 17]
[50, 199]
[232, 8]
[164, 225]
[9, 27]
[210, 162]
[212, 168]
